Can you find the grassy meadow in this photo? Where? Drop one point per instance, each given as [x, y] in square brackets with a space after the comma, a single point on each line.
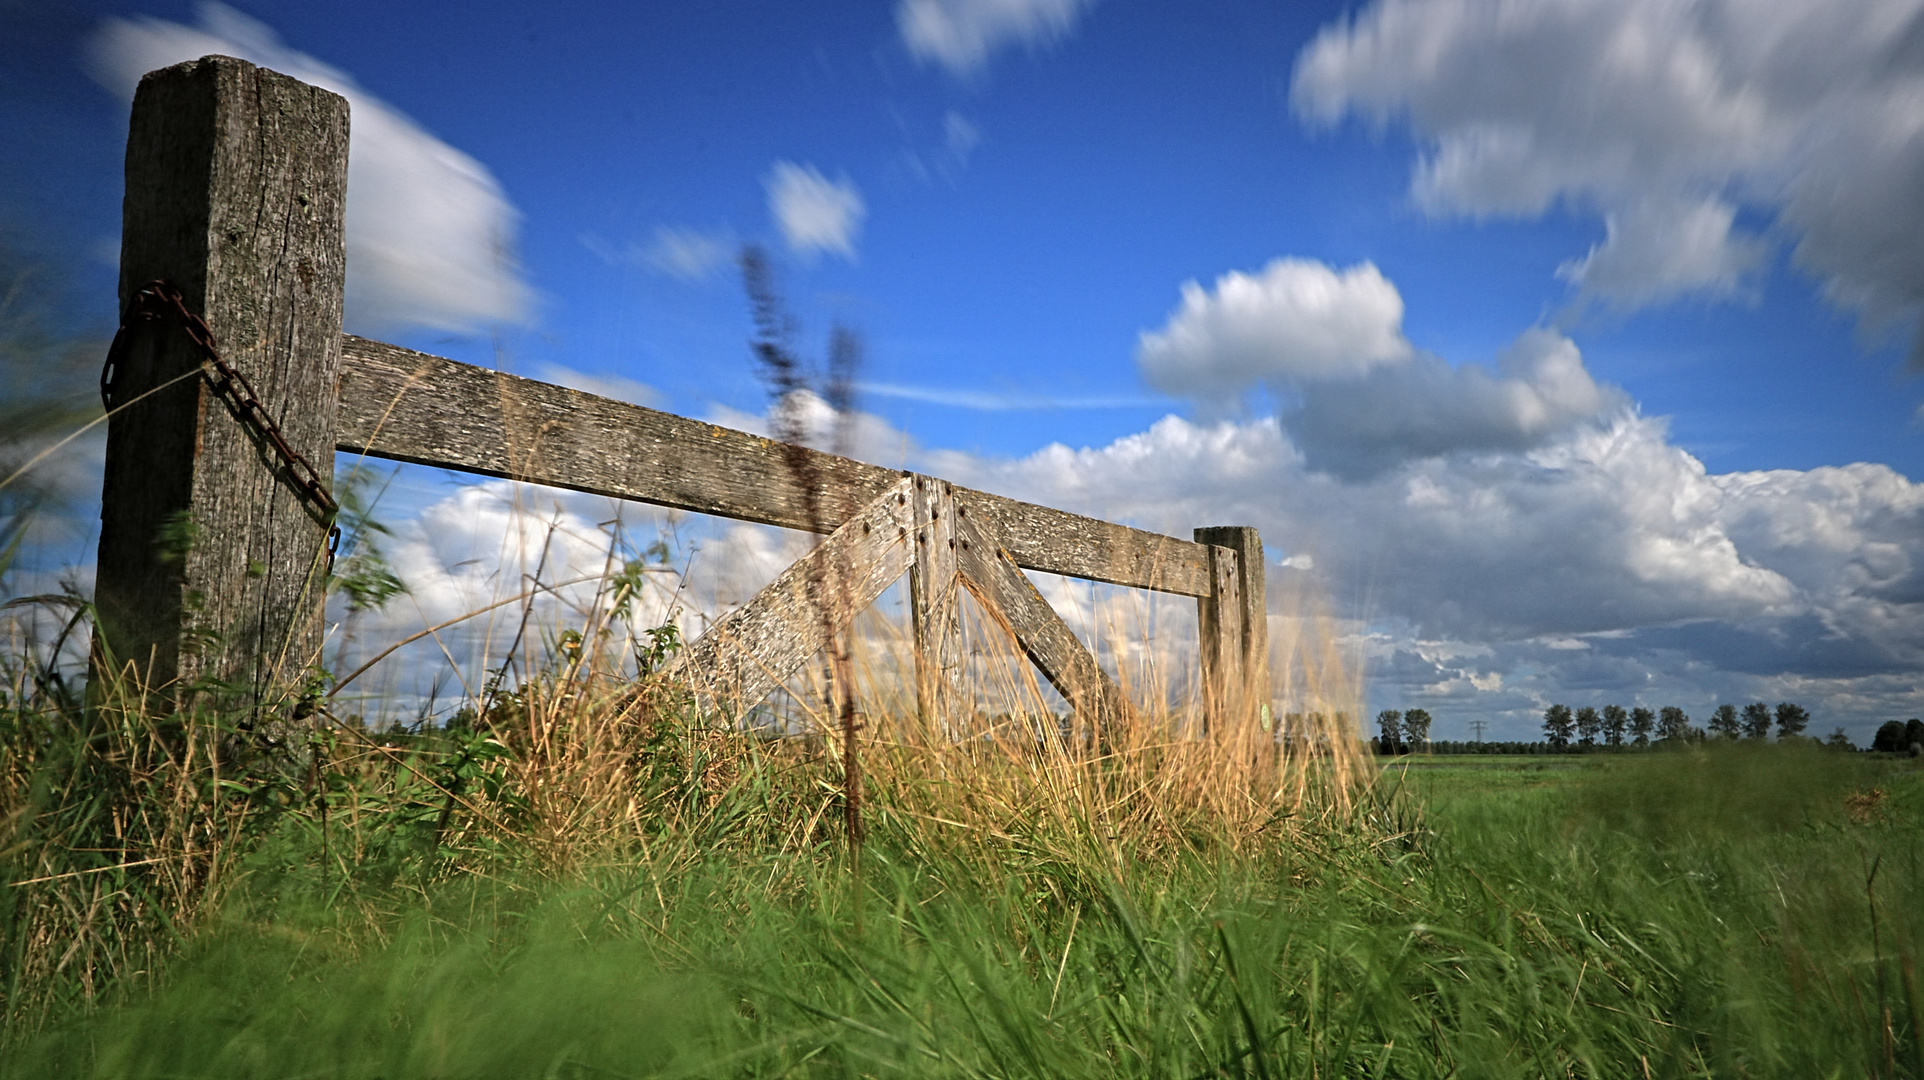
[584, 884]
[582, 879]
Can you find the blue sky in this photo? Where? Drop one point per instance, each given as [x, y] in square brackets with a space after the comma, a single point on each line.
[1564, 345]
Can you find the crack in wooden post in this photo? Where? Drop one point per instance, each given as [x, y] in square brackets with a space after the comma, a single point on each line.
[759, 646]
[1008, 596]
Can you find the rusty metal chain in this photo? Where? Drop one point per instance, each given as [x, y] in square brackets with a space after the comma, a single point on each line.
[156, 300]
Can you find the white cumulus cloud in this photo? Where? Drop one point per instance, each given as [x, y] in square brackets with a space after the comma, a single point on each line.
[1668, 119]
[1296, 319]
[1655, 249]
[509, 566]
[1361, 398]
[1799, 585]
[1422, 407]
[1608, 529]
[960, 34]
[814, 213]
[430, 233]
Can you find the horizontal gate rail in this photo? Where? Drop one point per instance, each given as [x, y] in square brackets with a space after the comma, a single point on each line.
[427, 410]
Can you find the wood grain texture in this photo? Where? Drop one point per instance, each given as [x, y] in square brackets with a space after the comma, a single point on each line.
[1220, 633]
[1058, 542]
[1007, 595]
[1249, 638]
[935, 614]
[210, 560]
[760, 646]
[408, 406]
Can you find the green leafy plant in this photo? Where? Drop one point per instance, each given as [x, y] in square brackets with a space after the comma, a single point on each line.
[361, 570]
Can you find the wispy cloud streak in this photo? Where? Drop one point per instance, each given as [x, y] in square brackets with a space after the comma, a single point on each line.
[990, 401]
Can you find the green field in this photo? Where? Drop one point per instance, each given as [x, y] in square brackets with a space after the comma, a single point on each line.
[1744, 912]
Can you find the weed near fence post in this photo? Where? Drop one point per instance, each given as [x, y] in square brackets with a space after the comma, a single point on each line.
[212, 557]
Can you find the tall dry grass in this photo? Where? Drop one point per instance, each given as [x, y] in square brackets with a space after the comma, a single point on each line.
[117, 827]
[579, 875]
[120, 828]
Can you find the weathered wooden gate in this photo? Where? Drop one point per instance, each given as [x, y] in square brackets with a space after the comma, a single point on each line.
[213, 554]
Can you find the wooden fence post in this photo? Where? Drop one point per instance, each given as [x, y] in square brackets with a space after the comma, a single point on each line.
[934, 610]
[1234, 624]
[211, 561]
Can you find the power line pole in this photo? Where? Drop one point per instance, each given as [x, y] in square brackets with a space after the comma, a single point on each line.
[1478, 726]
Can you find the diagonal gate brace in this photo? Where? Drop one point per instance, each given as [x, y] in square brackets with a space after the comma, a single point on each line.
[761, 645]
[1012, 600]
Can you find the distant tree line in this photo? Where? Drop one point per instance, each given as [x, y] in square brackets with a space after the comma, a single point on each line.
[1639, 727]
[1614, 727]
[1900, 737]
[1399, 731]
[1454, 746]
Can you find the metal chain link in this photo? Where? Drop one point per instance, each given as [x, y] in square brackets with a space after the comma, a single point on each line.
[156, 300]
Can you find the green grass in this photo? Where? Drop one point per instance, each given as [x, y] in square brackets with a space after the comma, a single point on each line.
[1749, 912]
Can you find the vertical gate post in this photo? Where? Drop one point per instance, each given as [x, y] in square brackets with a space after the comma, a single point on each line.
[1234, 624]
[212, 560]
[934, 607]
